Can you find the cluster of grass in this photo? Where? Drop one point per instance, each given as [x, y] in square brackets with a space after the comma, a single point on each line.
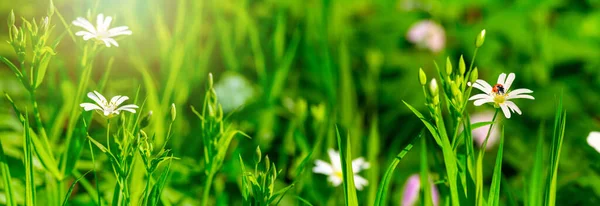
[324, 74]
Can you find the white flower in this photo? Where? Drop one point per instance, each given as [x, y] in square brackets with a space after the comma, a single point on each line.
[101, 31]
[108, 109]
[594, 140]
[334, 170]
[427, 34]
[500, 94]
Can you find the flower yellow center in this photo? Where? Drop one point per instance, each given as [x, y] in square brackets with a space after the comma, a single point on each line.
[338, 174]
[499, 98]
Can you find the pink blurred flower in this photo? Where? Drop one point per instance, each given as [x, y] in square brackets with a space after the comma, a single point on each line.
[480, 133]
[410, 196]
[427, 34]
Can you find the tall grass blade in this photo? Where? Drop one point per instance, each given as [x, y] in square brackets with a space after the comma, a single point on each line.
[387, 177]
[347, 173]
[8, 191]
[557, 140]
[28, 159]
[494, 196]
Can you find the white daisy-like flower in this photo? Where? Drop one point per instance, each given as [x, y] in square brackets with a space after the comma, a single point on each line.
[594, 140]
[427, 34]
[500, 94]
[100, 32]
[334, 170]
[108, 109]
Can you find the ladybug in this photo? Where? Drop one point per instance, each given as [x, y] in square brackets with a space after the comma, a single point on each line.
[498, 89]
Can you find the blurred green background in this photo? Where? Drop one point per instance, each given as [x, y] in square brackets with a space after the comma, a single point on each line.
[282, 59]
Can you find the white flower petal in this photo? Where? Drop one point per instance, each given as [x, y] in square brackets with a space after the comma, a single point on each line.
[479, 96]
[359, 164]
[505, 110]
[501, 78]
[106, 24]
[83, 33]
[100, 97]
[90, 106]
[509, 81]
[323, 167]
[593, 140]
[118, 100]
[334, 156]
[483, 86]
[513, 106]
[84, 23]
[360, 182]
[99, 21]
[520, 96]
[335, 180]
[480, 102]
[118, 29]
[520, 91]
[110, 41]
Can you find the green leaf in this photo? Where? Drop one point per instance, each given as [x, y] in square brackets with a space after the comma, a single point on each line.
[557, 140]
[387, 177]
[12, 67]
[429, 126]
[66, 200]
[10, 199]
[494, 196]
[424, 174]
[28, 159]
[75, 146]
[158, 187]
[43, 154]
[347, 173]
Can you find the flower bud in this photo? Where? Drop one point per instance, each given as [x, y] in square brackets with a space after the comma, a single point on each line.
[210, 80]
[11, 18]
[433, 88]
[474, 75]
[422, 77]
[50, 11]
[173, 112]
[448, 66]
[461, 65]
[258, 154]
[480, 39]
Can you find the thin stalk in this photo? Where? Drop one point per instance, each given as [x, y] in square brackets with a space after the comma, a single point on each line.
[479, 191]
[94, 169]
[108, 134]
[207, 186]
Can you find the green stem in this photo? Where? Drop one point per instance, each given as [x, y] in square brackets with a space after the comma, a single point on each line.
[108, 134]
[479, 191]
[94, 169]
[207, 186]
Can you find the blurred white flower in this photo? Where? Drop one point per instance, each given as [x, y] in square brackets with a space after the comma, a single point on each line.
[593, 140]
[233, 91]
[427, 34]
[500, 94]
[410, 196]
[108, 109]
[101, 32]
[334, 170]
[480, 133]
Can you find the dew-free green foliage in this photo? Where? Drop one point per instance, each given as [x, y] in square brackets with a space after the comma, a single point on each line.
[324, 75]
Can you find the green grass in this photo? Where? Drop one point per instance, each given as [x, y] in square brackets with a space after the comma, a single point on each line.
[323, 75]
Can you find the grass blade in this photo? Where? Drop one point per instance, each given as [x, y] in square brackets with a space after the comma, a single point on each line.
[557, 140]
[387, 177]
[347, 173]
[10, 199]
[494, 196]
[28, 159]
